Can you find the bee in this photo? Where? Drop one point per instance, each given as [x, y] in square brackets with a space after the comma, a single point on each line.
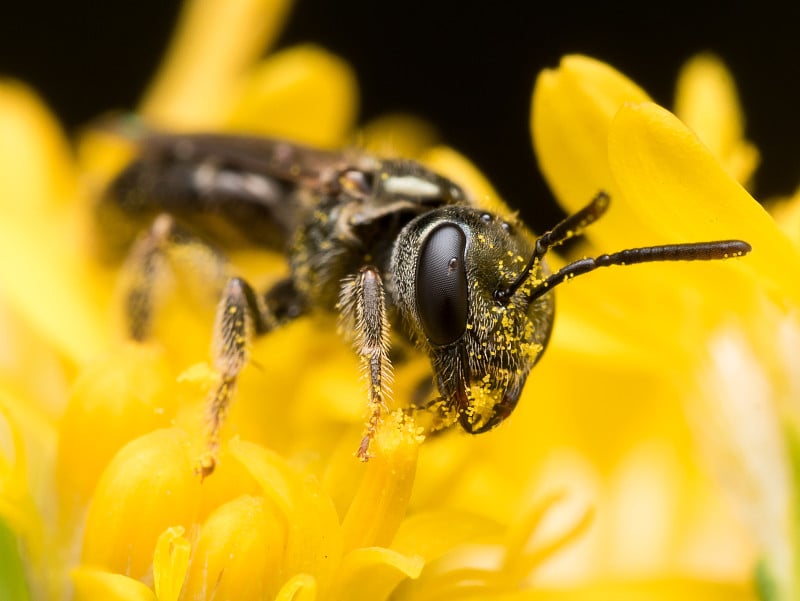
[394, 248]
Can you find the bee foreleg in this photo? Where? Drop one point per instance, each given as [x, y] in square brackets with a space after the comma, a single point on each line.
[433, 416]
[362, 306]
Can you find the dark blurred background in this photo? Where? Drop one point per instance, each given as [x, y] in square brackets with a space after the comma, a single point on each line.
[466, 66]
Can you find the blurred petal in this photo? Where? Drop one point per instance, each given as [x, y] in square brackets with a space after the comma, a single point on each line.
[304, 94]
[654, 589]
[707, 102]
[52, 287]
[786, 213]
[743, 438]
[120, 397]
[397, 135]
[35, 163]
[432, 533]
[214, 44]
[18, 510]
[571, 111]
[148, 486]
[371, 574]
[458, 168]
[92, 584]
[666, 174]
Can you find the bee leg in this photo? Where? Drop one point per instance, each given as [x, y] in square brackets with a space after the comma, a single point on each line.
[434, 416]
[241, 316]
[149, 264]
[362, 305]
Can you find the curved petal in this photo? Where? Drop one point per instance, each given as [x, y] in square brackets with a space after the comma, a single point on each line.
[571, 111]
[304, 94]
[458, 168]
[674, 185]
[397, 135]
[239, 552]
[214, 44]
[52, 287]
[707, 102]
[313, 540]
[431, 534]
[382, 497]
[372, 573]
[92, 584]
[148, 486]
[170, 563]
[18, 509]
[115, 400]
[300, 587]
[36, 172]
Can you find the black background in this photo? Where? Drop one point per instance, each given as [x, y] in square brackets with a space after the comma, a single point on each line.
[466, 66]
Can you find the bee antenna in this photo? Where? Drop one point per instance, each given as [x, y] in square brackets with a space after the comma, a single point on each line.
[569, 227]
[697, 251]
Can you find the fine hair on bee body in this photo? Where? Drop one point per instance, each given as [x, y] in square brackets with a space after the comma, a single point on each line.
[395, 249]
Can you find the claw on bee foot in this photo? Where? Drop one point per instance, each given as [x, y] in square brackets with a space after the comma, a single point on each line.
[363, 449]
[205, 465]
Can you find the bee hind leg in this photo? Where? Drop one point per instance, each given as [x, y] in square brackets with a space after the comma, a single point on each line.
[164, 249]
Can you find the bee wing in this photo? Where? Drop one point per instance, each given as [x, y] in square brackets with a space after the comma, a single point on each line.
[233, 189]
[291, 163]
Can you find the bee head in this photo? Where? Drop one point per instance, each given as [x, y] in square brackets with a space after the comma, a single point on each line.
[448, 266]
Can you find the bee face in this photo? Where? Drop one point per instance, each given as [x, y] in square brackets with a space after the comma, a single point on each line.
[447, 267]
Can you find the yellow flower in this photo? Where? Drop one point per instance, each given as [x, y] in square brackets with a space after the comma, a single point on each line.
[730, 328]
[591, 489]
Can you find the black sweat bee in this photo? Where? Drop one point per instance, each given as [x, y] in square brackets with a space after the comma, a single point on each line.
[393, 247]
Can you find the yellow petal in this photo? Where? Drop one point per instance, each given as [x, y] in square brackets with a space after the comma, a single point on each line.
[737, 411]
[170, 561]
[92, 584]
[382, 497]
[786, 212]
[17, 508]
[371, 574]
[39, 224]
[707, 102]
[653, 589]
[214, 45]
[239, 554]
[304, 94]
[397, 135]
[313, 537]
[571, 111]
[148, 486]
[455, 166]
[674, 185]
[118, 398]
[432, 533]
[300, 587]
[35, 165]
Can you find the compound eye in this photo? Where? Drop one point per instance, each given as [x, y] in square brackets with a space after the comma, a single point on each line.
[442, 285]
